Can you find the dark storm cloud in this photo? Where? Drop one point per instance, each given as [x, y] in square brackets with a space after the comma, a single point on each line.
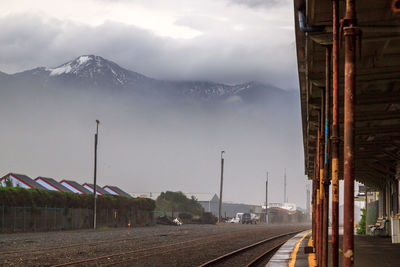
[222, 54]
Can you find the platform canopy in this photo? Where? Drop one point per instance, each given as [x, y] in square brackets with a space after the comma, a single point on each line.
[377, 116]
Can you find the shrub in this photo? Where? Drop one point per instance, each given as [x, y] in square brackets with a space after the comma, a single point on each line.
[178, 202]
[15, 196]
[361, 225]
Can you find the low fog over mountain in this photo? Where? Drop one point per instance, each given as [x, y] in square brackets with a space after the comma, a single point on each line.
[155, 135]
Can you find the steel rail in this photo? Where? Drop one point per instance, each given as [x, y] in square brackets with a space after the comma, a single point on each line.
[243, 249]
[93, 243]
[252, 263]
[261, 257]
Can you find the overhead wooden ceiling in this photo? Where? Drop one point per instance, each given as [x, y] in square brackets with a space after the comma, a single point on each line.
[377, 85]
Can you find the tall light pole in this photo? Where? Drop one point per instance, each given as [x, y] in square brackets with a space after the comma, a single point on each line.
[284, 188]
[266, 200]
[220, 189]
[95, 174]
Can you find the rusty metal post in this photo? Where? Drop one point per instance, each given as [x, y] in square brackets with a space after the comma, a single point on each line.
[326, 180]
[317, 193]
[313, 202]
[351, 33]
[321, 177]
[335, 135]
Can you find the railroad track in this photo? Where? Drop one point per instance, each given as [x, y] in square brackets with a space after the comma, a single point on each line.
[265, 255]
[114, 259]
[131, 253]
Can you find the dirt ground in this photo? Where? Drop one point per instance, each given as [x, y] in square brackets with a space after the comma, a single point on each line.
[186, 245]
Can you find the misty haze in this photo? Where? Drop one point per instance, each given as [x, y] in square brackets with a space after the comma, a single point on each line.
[154, 135]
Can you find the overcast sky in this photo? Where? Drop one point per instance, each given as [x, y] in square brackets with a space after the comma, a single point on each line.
[226, 41]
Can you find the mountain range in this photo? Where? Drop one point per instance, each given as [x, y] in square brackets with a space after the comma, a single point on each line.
[94, 72]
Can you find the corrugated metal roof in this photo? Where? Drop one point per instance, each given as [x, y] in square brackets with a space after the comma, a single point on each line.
[98, 189]
[118, 190]
[54, 183]
[27, 180]
[77, 186]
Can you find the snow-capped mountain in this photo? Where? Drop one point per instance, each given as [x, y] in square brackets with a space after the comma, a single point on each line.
[97, 70]
[90, 71]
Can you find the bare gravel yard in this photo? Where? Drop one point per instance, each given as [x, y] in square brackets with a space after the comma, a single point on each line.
[187, 245]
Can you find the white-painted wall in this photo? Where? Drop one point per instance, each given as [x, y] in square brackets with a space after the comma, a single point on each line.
[90, 189]
[15, 182]
[46, 185]
[110, 191]
[70, 187]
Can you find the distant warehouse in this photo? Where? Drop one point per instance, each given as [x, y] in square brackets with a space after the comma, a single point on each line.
[114, 190]
[65, 186]
[51, 184]
[20, 180]
[99, 190]
[75, 187]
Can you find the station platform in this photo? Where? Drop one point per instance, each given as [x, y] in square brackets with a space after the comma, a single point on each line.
[369, 252]
[292, 252]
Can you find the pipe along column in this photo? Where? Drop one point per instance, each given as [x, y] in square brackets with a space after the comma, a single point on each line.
[325, 178]
[335, 135]
[321, 177]
[351, 34]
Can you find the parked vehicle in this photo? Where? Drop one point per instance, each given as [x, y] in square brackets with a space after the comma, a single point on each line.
[249, 218]
[235, 220]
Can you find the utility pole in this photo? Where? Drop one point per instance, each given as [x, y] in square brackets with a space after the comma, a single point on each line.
[284, 188]
[220, 189]
[95, 174]
[266, 200]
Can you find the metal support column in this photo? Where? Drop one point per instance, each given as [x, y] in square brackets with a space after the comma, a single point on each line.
[351, 33]
[321, 177]
[317, 199]
[335, 135]
[313, 202]
[326, 180]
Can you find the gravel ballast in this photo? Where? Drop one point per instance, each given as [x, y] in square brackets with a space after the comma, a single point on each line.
[187, 245]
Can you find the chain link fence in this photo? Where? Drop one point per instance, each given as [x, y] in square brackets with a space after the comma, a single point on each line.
[31, 219]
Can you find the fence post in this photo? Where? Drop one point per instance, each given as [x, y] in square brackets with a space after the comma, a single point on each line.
[15, 218]
[23, 214]
[34, 223]
[2, 220]
[55, 218]
[45, 218]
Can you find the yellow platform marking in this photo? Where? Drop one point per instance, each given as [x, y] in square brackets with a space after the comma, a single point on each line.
[311, 256]
[293, 256]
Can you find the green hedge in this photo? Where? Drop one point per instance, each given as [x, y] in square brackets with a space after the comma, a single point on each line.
[14, 196]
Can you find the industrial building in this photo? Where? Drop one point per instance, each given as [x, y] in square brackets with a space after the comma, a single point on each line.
[75, 187]
[114, 190]
[67, 186]
[228, 210]
[51, 184]
[20, 180]
[99, 190]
